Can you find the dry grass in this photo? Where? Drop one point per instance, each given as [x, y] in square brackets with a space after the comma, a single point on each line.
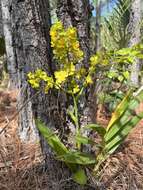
[22, 166]
[124, 170]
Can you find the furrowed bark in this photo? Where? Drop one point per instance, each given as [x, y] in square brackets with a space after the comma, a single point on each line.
[6, 19]
[30, 21]
[77, 14]
[30, 26]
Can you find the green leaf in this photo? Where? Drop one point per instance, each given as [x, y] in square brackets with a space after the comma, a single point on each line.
[95, 127]
[54, 142]
[122, 133]
[77, 157]
[112, 74]
[124, 123]
[126, 75]
[51, 138]
[120, 78]
[124, 51]
[121, 108]
[140, 56]
[83, 140]
[127, 116]
[80, 177]
[72, 116]
[117, 94]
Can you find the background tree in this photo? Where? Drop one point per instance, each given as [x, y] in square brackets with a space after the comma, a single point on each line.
[98, 25]
[7, 31]
[135, 31]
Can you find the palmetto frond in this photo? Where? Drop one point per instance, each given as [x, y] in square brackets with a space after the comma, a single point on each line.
[115, 27]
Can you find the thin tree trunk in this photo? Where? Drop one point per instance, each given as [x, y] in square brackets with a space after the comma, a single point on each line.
[95, 89]
[6, 18]
[98, 22]
[135, 30]
[1, 23]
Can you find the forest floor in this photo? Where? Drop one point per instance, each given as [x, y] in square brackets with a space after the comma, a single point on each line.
[122, 171]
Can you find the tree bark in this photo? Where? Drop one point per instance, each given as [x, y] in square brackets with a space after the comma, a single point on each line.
[6, 18]
[1, 23]
[98, 22]
[77, 13]
[135, 30]
[30, 26]
[31, 42]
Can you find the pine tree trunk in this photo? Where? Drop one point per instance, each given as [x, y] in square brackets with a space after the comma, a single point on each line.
[98, 22]
[135, 30]
[77, 13]
[95, 90]
[30, 28]
[30, 21]
[1, 22]
[6, 19]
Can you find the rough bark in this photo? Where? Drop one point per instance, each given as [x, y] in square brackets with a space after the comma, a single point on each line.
[135, 27]
[98, 22]
[95, 90]
[30, 28]
[77, 13]
[6, 18]
[1, 24]
[31, 42]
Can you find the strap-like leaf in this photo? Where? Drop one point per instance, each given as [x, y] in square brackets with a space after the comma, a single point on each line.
[77, 157]
[83, 140]
[122, 123]
[54, 142]
[126, 117]
[116, 140]
[51, 138]
[72, 116]
[121, 108]
[95, 127]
